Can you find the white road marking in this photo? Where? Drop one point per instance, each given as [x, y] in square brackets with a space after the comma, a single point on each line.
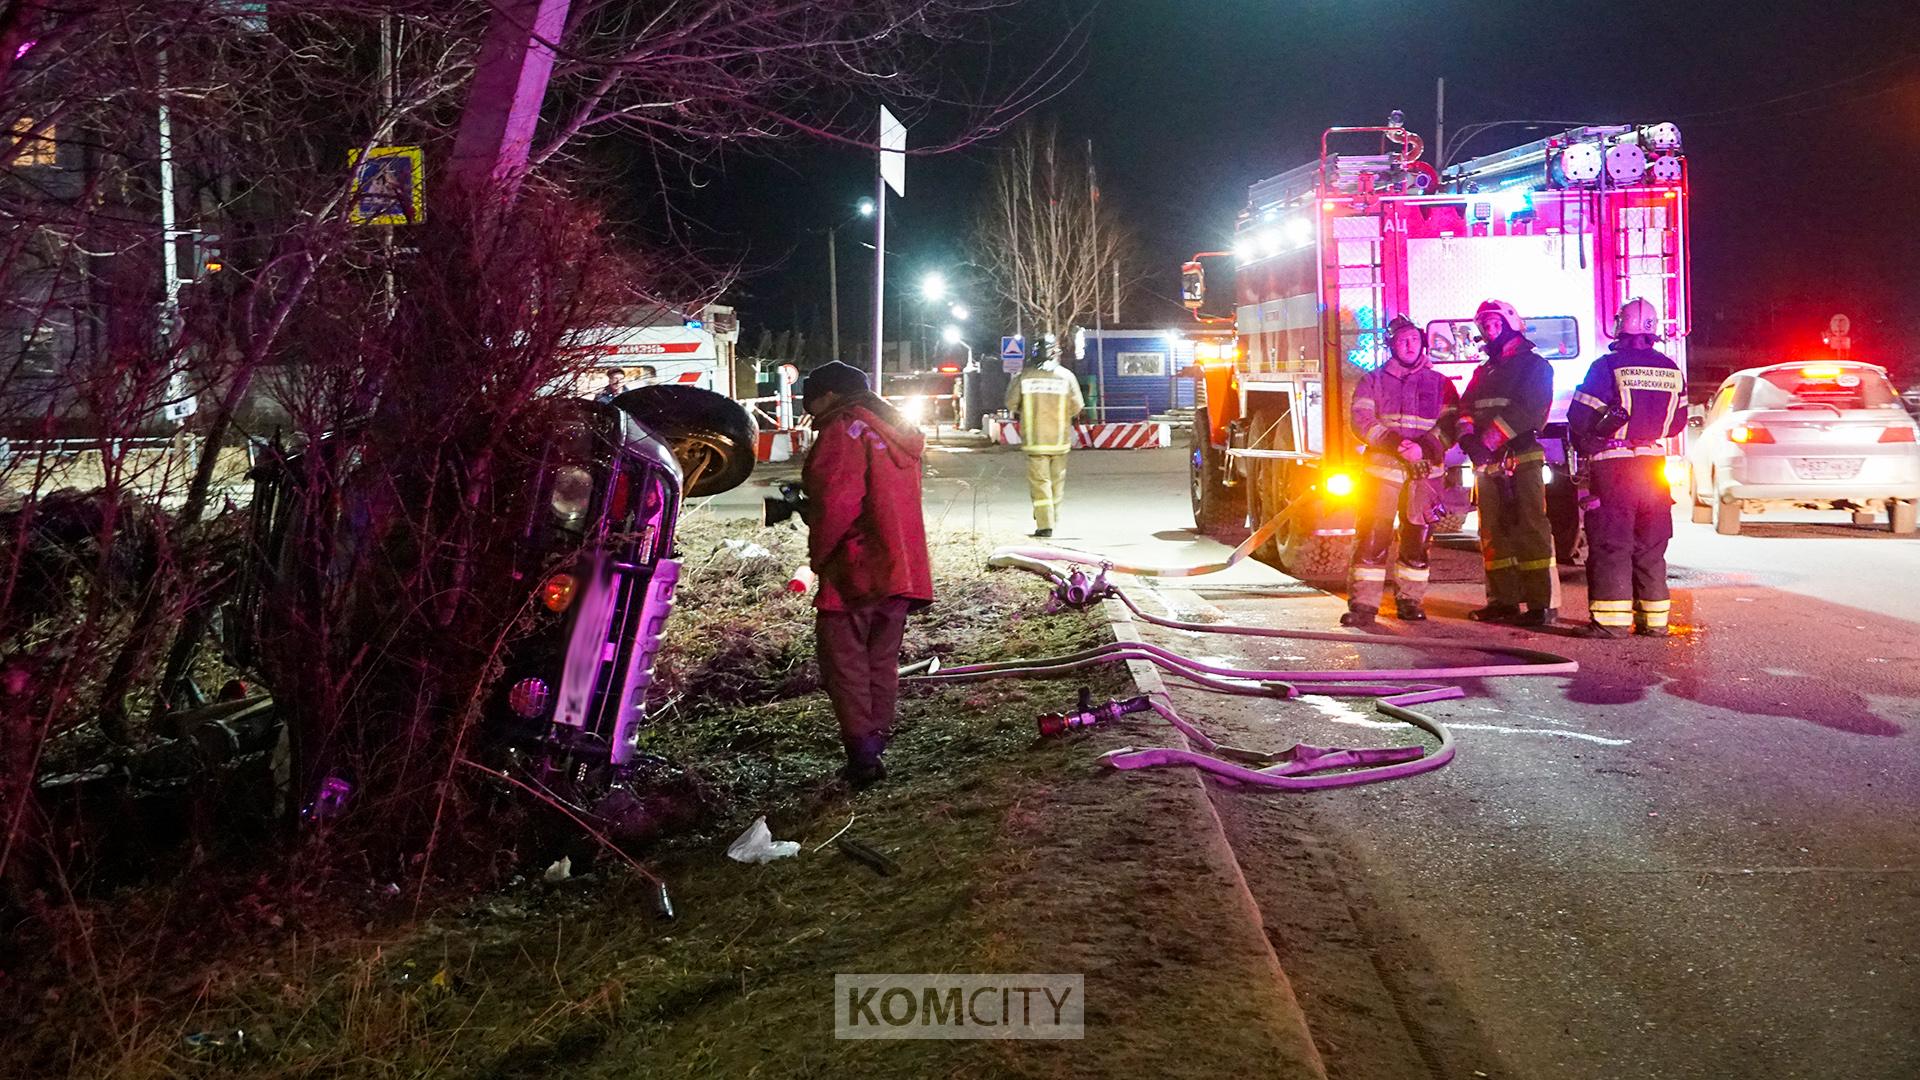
[1341, 712]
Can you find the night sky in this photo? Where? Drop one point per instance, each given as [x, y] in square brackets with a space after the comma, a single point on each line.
[1801, 121]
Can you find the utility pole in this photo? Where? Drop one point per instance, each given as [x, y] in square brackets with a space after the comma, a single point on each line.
[1440, 123]
[180, 402]
[509, 84]
[833, 286]
[1093, 228]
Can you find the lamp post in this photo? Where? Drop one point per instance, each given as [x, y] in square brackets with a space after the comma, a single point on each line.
[863, 209]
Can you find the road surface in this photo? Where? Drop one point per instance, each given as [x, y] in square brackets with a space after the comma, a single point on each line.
[1699, 857]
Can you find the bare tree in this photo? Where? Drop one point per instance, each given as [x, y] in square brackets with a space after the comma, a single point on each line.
[426, 341]
[1047, 251]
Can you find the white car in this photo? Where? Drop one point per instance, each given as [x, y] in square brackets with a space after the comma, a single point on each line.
[1828, 435]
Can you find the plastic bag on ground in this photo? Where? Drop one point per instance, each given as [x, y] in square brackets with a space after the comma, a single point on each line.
[757, 844]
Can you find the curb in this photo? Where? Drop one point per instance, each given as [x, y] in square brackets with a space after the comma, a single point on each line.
[1147, 677]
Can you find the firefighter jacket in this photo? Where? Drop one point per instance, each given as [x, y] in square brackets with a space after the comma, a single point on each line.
[1045, 400]
[1640, 382]
[1507, 401]
[866, 536]
[1397, 403]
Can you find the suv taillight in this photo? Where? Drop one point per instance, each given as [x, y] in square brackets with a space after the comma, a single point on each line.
[1750, 433]
[1897, 433]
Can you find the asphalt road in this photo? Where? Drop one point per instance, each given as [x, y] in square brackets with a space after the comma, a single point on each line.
[1698, 857]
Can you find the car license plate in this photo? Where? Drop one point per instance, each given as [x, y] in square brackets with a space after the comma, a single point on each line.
[1827, 468]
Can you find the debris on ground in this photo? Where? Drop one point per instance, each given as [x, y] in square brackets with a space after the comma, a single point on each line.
[757, 844]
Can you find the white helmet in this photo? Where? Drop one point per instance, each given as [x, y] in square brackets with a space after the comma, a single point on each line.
[1505, 311]
[1636, 317]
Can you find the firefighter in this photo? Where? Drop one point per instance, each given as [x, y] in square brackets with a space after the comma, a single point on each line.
[1501, 414]
[1404, 411]
[1632, 398]
[867, 545]
[1045, 397]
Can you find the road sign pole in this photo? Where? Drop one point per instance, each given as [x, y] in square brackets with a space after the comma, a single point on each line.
[879, 278]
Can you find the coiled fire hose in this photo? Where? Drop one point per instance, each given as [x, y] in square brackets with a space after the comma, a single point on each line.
[1301, 767]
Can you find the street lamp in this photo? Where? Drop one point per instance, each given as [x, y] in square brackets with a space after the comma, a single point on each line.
[950, 335]
[959, 311]
[865, 209]
[933, 287]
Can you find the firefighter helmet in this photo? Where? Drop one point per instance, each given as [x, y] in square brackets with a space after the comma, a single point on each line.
[1504, 310]
[1636, 316]
[1401, 322]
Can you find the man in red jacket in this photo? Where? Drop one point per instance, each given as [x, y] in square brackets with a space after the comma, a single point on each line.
[867, 544]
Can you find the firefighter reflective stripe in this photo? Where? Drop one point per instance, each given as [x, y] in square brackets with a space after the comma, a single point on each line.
[1369, 573]
[1652, 613]
[1646, 450]
[1048, 402]
[1492, 467]
[1532, 564]
[1637, 385]
[1411, 573]
[1590, 401]
[1502, 564]
[1611, 613]
[1489, 403]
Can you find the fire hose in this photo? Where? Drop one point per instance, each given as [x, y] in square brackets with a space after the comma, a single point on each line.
[1302, 767]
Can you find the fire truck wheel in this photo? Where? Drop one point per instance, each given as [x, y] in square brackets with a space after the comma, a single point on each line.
[1217, 508]
[1563, 513]
[711, 435]
[1316, 559]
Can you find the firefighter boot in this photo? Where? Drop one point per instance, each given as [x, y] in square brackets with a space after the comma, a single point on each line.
[1495, 613]
[1538, 617]
[1360, 615]
[1597, 632]
[1409, 611]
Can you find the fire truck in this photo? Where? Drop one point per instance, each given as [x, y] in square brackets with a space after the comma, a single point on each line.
[1566, 228]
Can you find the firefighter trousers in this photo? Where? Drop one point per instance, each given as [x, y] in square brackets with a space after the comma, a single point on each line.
[1047, 486]
[1516, 539]
[860, 668]
[1381, 501]
[1627, 537]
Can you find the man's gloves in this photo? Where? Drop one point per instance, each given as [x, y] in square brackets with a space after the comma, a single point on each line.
[1411, 452]
[1611, 421]
[1475, 450]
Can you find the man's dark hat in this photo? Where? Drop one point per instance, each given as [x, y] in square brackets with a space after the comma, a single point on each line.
[833, 378]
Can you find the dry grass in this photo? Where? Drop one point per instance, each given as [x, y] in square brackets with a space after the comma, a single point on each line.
[581, 979]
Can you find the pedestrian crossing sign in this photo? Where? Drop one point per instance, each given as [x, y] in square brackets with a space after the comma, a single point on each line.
[1013, 353]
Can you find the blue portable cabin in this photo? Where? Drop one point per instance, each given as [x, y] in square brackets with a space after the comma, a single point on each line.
[1138, 370]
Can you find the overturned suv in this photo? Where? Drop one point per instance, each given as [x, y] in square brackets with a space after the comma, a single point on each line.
[600, 500]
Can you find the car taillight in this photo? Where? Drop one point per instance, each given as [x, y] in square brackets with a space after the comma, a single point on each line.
[1675, 472]
[1897, 433]
[558, 592]
[1750, 433]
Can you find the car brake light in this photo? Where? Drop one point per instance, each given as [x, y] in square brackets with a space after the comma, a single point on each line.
[1675, 471]
[1750, 433]
[557, 593]
[1339, 485]
[1820, 371]
[1898, 433]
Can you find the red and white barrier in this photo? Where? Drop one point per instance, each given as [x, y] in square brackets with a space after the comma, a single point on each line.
[781, 445]
[1137, 435]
